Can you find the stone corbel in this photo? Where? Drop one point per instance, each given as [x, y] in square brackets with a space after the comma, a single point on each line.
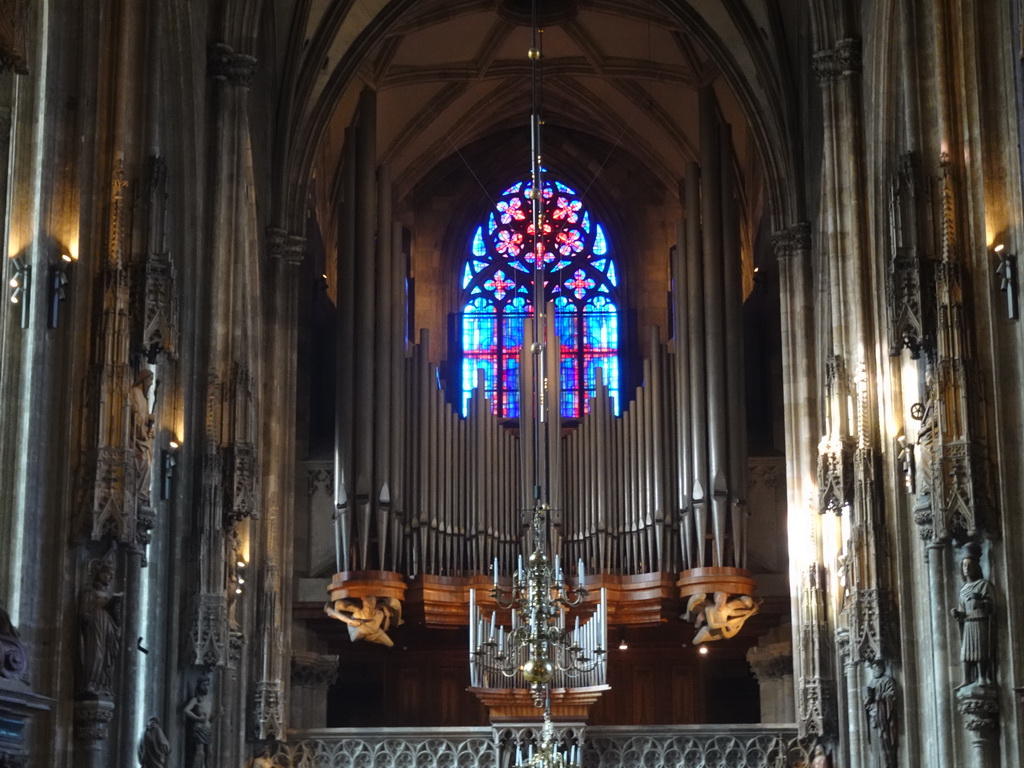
[222, 63]
[314, 670]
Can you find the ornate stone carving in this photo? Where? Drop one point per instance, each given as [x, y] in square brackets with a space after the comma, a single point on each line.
[837, 448]
[816, 693]
[290, 249]
[842, 61]
[240, 500]
[157, 332]
[91, 719]
[368, 618]
[222, 63]
[113, 494]
[208, 636]
[881, 710]
[198, 714]
[979, 709]
[99, 626]
[910, 289]
[268, 709]
[13, 36]
[13, 661]
[792, 240]
[314, 670]
[871, 622]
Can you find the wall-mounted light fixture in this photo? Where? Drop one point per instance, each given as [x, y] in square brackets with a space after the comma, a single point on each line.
[168, 461]
[60, 278]
[20, 283]
[1007, 271]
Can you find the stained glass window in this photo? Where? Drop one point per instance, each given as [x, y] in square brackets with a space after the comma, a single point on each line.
[497, 288]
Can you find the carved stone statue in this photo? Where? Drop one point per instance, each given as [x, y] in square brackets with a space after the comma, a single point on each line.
[368, 618]
[154, 749]
[923, 458]
[974, 612]
[198, 713]
[880, 707]
[263, 759]
[99, 623]
[142, 434]
[819, 759]
[13, 663]
[721, 618]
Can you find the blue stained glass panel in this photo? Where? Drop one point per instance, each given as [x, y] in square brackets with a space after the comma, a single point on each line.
[600, 244]
[479, 249]
[466, 277]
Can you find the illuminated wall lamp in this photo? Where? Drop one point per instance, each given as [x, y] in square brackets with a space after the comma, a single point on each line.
[21, 282]
[1007, 271]
[168, 461]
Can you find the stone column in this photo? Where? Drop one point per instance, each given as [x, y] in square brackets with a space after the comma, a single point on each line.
[772, 663]
[312, 675]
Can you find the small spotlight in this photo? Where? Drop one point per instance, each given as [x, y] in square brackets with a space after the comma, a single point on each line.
[240, 563]
[174, 445]
[241, 580]
[999, 247]
[66, 257]
[14, 282]
[623, 645]
[238, 590]
[703, 650]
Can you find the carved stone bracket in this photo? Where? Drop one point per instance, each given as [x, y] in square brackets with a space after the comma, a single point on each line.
[290, 249]
[980, 709]
[268, 709]
[962, 479]
[208, 638]
[222, 63]
[842, 61]
[792, 240]
[816, 707]
[870, 625]
[112, 497]
[92, 718]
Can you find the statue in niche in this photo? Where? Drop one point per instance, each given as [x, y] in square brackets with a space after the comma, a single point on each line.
[154, 749]
[880, 707]
[922, 461]
[13, 662]
[819, 759]
[198, 713]
[99, 624]
[142, 434]
[722, 617]
[368, 618]
[263, 759]
[974, 612]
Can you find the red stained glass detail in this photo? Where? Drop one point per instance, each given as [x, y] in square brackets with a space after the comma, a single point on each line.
[579, 284]
[567, 210]
[509, 242]
[499, 285]
[511, 211]
[569, 242]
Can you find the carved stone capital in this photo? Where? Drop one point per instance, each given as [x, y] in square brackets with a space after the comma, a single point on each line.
[268, 709]
[314, 670]
[842, 61]
[222, 63]
[770, 663]
[208, 638]
[979, 706]
[91, 719]
[792, 240]
[290, 249]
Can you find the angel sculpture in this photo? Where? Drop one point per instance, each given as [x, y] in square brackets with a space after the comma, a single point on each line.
[368, 618]
[721, 618]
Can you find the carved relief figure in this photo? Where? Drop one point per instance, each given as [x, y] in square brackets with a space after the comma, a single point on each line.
[198, 713]
[880, 707]
[154, 749]
[263, 759]
[819, 759]
[368, 618]
[974, 612]
[923, 458]
[13, 664]
[722, 618]
[99, 622]
[142, 433]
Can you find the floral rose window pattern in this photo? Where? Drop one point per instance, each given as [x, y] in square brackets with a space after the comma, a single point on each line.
[497, 283]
